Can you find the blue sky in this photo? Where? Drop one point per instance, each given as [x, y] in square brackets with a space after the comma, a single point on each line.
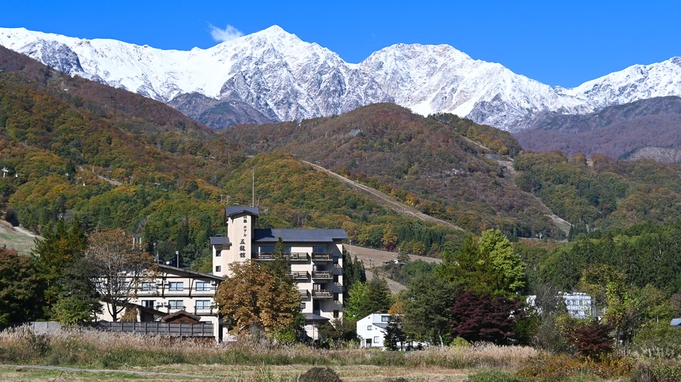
[556, 42]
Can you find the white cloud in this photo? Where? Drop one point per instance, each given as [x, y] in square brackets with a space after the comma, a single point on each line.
[222, 35]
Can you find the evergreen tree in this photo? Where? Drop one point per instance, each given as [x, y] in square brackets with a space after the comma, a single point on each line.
[394, 335]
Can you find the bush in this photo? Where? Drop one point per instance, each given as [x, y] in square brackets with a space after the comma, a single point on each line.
[320, 374]
[658, 341]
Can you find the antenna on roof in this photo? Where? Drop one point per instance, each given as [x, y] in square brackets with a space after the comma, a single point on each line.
[253, 190]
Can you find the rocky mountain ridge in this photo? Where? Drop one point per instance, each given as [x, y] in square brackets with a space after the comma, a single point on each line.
[272, 75]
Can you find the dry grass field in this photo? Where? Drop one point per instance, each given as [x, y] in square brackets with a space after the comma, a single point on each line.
[132, 357]
[11, 238]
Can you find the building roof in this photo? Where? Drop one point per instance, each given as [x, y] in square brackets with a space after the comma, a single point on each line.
[181, 313]
[299, 235]
[219, 240]
[676, 321]
[236, 210]
[314, 317]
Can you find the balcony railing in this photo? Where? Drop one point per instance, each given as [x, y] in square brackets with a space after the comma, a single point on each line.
[294, 257]
[322, 293]
[304, 293]
[322, 275]
[300, 275]
[322, 257]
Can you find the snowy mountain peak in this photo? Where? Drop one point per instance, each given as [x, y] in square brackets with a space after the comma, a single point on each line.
[273, 75]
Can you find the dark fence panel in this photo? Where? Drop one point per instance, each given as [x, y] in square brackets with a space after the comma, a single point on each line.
[159, 328]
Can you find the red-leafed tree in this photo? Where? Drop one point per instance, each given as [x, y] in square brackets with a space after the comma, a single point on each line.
[482, 317]
[591, 339]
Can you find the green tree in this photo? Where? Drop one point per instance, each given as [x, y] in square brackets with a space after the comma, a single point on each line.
[21, 287]
[254, 295]
[78, 301]
[427, 308]
[488, 265]
[394, 335]
[56, 251]
[366, 298]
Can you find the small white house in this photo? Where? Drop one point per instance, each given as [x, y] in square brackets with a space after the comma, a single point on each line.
[371, 330]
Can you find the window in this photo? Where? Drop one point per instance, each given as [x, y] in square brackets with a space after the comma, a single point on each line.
[176, 286]
[202, 286]
[377, 339]
[202, 305]
[369, 327]
[335, 259]
[266, 249]
[287, 249]
[319, 249]
[218, 253]
[369, 342]
[148, 286]
[302, 306]
[335, 314]
[335, 297]
[175, 304]
[335, 278]
[148, 304]
[218, 268]
[385, 318]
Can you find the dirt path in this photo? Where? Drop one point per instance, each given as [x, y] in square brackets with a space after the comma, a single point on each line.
[509, 176]
[375, 257]
[386, 200]
[111, 371]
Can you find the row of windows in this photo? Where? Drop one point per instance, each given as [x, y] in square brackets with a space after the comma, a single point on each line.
[336, 313]
[178, 304]
[178, 286]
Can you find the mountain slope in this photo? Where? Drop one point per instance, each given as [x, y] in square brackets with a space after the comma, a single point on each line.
[426, 163]
[274, 76]
[272, 71]
[647, 128]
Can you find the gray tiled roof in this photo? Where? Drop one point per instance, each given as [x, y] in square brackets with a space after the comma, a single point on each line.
[299, 235]
[219, 240]
[239, 209]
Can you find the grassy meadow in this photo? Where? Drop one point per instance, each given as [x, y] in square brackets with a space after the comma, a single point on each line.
[102, 354]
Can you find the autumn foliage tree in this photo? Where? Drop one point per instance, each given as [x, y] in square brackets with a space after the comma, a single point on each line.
[255, 295]
[483, 317]
[120, 267]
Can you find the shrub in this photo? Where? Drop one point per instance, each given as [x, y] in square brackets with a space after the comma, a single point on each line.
[320, 374]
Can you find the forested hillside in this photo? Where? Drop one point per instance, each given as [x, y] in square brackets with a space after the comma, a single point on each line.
[114, 159]
[445, 166]
[602, 193]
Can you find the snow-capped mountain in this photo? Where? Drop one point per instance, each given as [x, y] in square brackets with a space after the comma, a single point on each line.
[272, 71]
[274, 76]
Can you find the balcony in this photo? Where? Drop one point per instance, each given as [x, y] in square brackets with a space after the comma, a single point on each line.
[294, 257]
[322, 293]
[300, 275]
[325, 275]
[304, 293]
[298, 257]
[322, 257]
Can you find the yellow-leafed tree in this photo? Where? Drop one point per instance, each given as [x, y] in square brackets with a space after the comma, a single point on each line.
[255, 295]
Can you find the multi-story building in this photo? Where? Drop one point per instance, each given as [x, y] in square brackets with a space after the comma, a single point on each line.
[316, 257]
[579, 305]
[170, 290]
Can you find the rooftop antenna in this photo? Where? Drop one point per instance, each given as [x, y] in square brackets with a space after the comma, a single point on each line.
[253, 190]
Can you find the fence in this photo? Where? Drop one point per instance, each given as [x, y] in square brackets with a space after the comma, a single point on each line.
[159, 328]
